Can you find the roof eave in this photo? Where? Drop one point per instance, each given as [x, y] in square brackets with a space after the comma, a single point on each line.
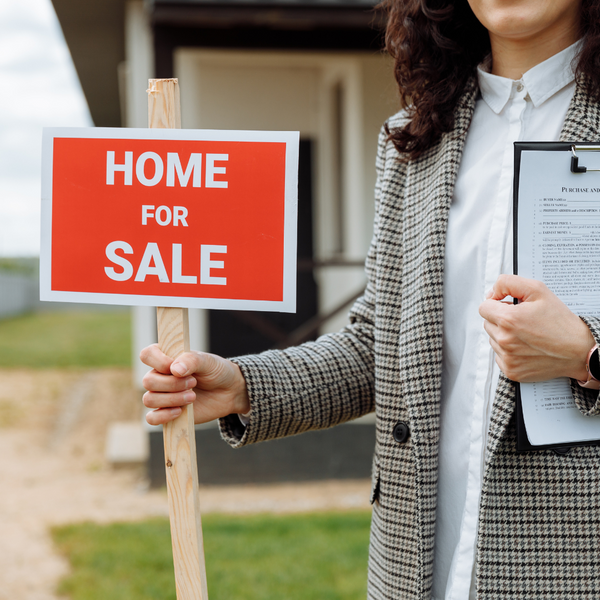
[263, 16]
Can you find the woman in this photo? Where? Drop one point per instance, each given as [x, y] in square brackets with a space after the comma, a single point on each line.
[458, 514]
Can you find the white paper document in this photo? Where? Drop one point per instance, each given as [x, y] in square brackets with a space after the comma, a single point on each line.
[559, 243]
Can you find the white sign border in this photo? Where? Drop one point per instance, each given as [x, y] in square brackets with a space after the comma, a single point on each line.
[291, 140]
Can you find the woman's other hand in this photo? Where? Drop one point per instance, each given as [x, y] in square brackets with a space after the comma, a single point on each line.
[214, 385]
[537, 339]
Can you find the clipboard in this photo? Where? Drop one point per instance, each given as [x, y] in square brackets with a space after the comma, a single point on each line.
[576, 148]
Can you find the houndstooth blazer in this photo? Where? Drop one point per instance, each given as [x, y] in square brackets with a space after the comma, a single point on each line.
[539, 524]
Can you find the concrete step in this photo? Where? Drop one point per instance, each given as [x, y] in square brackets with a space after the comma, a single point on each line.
[127, 444]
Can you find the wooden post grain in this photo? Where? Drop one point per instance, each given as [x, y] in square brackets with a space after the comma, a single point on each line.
[179, 436]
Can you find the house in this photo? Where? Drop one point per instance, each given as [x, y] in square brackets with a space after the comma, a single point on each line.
[315, 66]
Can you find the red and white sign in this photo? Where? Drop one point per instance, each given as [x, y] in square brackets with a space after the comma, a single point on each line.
[168, 217]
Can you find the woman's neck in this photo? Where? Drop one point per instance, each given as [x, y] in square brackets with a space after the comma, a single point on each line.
[512, 58]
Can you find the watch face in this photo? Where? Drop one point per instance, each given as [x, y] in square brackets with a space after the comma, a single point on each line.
[595, 365]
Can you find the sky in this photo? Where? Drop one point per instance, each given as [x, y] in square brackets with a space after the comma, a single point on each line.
[41, 89]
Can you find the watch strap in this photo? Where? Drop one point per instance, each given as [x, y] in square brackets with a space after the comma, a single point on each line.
[592, 382]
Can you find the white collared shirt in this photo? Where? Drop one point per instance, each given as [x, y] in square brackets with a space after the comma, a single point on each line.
[478, 250]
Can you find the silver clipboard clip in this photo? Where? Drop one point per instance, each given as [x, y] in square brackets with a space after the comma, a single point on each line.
[575, 166]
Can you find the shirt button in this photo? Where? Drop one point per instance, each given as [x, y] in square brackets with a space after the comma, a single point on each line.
[520, 87]
[400, 432]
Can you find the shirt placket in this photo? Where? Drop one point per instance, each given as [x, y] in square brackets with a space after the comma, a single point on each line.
[483, 396]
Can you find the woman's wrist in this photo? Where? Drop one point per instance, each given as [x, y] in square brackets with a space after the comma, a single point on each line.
[241, 398]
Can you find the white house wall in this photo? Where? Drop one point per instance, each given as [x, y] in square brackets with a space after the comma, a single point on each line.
[241, 97]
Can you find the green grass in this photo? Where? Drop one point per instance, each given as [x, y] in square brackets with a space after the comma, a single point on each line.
[319, 556]
[21, 266]
[66, 339]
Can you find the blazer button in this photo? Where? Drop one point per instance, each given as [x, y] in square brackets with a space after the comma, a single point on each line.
[401, 432]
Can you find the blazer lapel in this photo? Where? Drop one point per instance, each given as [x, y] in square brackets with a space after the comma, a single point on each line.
[429, 188]
[582, 123]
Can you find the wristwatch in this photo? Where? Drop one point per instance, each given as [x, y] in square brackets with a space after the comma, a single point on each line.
[592, 366]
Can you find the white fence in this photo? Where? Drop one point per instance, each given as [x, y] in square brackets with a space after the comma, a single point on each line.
[18, 294]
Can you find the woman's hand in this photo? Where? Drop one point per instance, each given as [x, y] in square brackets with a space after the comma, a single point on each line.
[537, 339]
[214, 385]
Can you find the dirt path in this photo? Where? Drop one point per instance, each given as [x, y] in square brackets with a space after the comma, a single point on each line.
[52, 471]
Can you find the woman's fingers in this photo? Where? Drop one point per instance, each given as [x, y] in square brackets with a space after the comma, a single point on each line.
[209, 370]
[517, 287]
[166, 400]
[154, 357]
[161, 416]
[214, 385]
[537, 339]
[158, 382]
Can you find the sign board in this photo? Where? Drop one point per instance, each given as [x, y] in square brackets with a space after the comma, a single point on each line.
[170, 217]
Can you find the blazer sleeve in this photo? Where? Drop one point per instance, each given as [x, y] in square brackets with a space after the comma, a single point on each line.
[318, 384]
[588, 401]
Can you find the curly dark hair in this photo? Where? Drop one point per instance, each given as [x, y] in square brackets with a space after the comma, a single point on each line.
[436, 46]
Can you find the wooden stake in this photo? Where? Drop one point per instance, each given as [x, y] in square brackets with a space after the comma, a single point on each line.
[179, 436]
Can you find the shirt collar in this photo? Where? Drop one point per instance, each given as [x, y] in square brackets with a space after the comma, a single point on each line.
[541, 81]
